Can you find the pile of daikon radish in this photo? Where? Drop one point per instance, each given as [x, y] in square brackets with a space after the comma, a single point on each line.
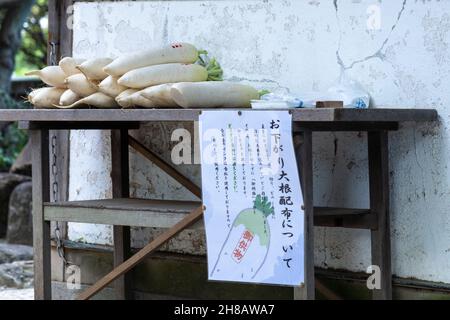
[172, 76]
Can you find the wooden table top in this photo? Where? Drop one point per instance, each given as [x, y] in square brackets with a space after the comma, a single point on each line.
[147, 115]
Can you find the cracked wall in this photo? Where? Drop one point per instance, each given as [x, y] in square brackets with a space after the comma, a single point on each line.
[299, 46]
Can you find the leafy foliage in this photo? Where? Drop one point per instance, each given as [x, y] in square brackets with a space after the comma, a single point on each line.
[6, 102]
[215, 72]
[32, 54]
[12, 141]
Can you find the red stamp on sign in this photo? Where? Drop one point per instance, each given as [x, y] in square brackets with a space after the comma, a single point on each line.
[242, 246]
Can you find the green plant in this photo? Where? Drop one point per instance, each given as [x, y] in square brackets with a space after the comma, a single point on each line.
[7, 102]
[32, 53]
[12, 141]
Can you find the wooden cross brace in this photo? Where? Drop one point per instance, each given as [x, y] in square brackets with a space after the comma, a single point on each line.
[121, 269]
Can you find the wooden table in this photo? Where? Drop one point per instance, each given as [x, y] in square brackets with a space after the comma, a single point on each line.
[123, 212]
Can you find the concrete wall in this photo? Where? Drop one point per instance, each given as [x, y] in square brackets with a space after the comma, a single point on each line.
[398, 50]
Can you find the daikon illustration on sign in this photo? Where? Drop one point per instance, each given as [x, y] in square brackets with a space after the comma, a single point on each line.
[252, 195]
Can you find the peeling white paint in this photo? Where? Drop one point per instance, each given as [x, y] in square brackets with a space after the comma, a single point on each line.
[302, 45]
[90, 168]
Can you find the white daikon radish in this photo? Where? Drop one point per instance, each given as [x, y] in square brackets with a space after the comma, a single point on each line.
[163, 73]
[45, 97]
[213, 94]
[110, 87]
[134, 99]
[160, 95]
[68, 97]
[126, 93]
[34, 92]
[53, 76]
[93, 68]
[80, 85]
[174, 53]
[69, 65]
[98, 100]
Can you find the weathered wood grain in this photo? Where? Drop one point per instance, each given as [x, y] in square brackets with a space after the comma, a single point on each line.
[61, 36]
[41, 227]
[120, 181]
[344, 125]
[354, 221]
[298, 115]
[122, 212]
[379, 205]
[165, 213]
[190, 219]
[303, 154]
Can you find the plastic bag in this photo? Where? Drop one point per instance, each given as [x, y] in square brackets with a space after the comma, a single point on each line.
[277, 101]
[344, 89]
[350, 92]
[290, 100]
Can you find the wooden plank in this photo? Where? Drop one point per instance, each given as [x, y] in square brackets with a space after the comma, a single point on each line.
[74, 125]
[61, 35]
[131, 204]
[59, 140]
[379, 205]
[59, 190]
[41, 228]
[138, 115]
[120, 169]
[344, 218]
[53, 37]
[333, 211]
[354, 221]
[65, 29]
[123, 212]
[345, 126]
[303, 153]
[100, 115]
[59, 32]
[53, 27]
[329, 104]
[162, 164]
[120, 175]
[145, 218]
[193, 217]
[385, 114]
[164, 213]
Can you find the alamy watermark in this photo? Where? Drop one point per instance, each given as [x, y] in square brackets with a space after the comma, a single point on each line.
[374, 280]
[73, 277]
[230, 146]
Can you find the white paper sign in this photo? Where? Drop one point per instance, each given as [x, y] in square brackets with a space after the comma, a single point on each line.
[251, 191]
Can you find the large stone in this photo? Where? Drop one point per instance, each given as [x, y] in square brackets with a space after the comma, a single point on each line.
[18, 274]
[8, 181]
[20, 219]
[22, 164]
[15, 252]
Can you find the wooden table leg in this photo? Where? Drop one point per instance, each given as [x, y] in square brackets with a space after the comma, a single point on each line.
[379, 205]
[41, 228]
[121, 189]
[303, 152]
